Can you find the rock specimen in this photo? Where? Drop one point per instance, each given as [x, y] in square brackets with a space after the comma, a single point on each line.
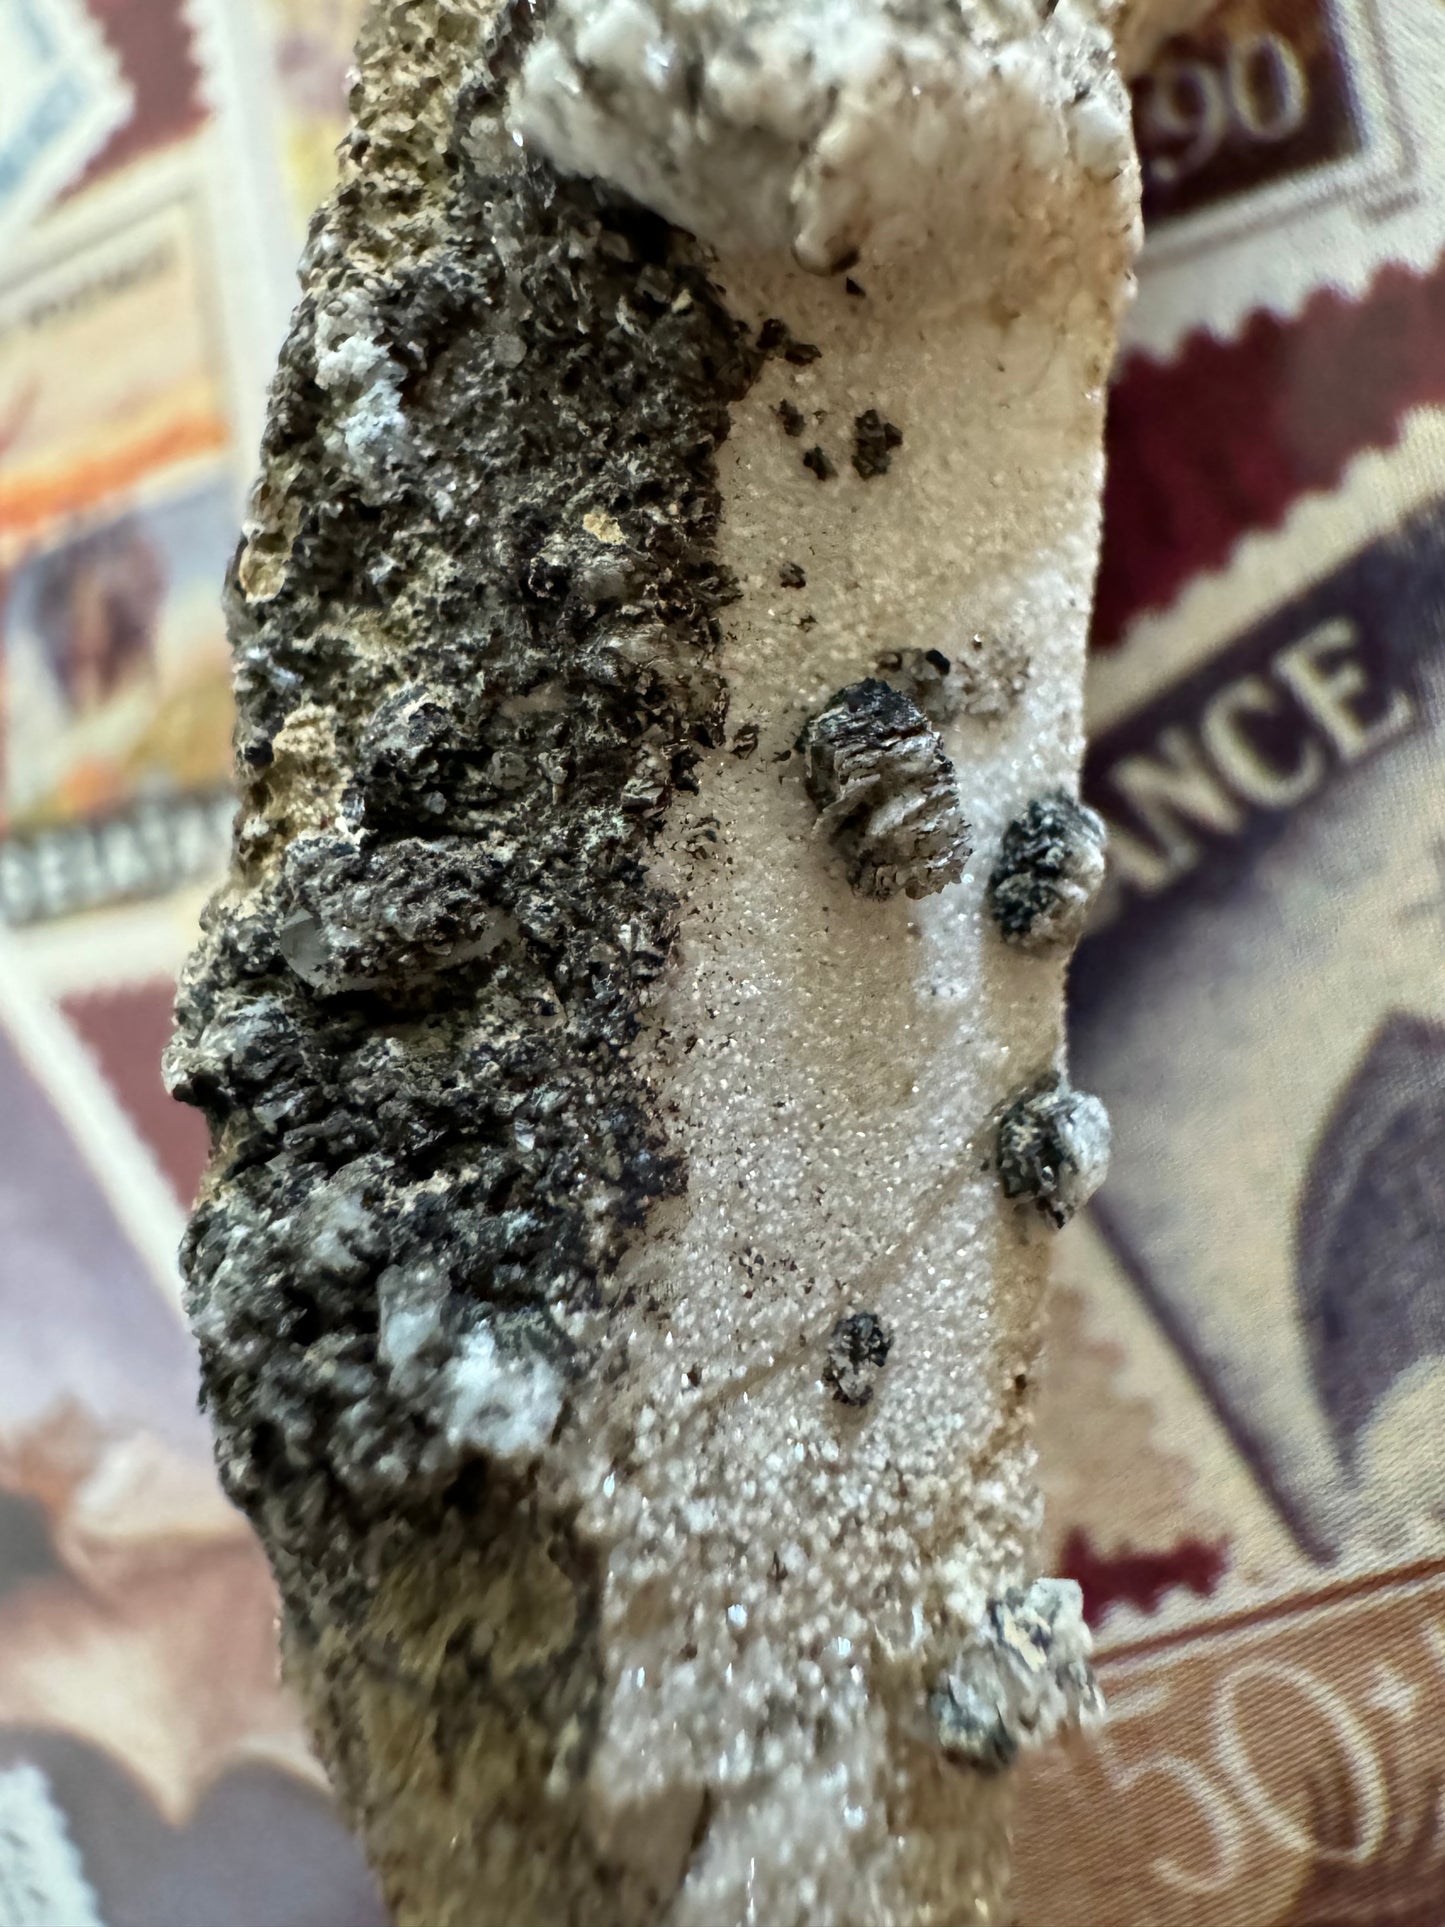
[1049, 870]
[886, 792]
[1023, 1675]
[1053, 1150]
[858, 1348]
[566, 1088]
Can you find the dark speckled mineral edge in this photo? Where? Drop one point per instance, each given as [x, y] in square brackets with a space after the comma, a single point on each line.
[474, 621]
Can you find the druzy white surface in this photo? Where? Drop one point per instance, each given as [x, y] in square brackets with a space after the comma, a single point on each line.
[789, 1578]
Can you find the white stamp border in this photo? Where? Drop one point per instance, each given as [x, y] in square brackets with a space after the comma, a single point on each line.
[80, 55]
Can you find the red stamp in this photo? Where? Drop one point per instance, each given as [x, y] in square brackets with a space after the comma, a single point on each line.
[1259, 94]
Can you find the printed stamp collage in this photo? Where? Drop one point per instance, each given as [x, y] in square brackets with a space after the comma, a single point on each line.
[148, 232]
[1240, 1444]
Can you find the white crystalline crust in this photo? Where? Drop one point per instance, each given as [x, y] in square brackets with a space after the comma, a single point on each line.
[831, 127]
[351, 361]
[1088, 1138]
[789, 1577]
[1076, 892]
[503, 1407]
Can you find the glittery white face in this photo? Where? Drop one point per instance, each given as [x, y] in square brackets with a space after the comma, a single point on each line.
[828, 127]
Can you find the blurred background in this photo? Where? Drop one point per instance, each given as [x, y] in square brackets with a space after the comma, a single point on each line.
[1243, 1431]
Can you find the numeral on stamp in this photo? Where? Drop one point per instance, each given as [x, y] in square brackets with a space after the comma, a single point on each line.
[1280, 1764]
[1257, 94]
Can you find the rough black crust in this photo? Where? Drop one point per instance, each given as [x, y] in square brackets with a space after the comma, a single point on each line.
[874, 441]
[858, 1348]
[1049, 869]
[1025, 1672]
[475, 622]
[1052, 1149]
[886, 793]
[475, 626]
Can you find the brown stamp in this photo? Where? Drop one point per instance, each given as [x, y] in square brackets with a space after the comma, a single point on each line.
[1284, 1768]
[1259, 94]
[1288, 147]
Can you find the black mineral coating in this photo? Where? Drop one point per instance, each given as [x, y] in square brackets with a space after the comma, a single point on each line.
[1053, 1149]
[971, 1729]
[792, 576]
[776, 338]
[817, 460]
[791, 416]
[1050, 865]
[858, 1348]
[1026, 1669]
[410, 1020]
[885, 791]
[874, 441]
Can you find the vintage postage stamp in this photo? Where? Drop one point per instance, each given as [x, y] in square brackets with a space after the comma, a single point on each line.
[1262, 1009]
[1288, 146]
[1231, 439]
[1148, 1501]
[155, 49]
[112, 369]
[66, 1138]
[62, 96]
[1254, 100]
[116, 722]
[1280, 1767]
[118, 508]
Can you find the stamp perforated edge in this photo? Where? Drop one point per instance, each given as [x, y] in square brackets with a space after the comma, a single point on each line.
[1333, 227]
[90, 69]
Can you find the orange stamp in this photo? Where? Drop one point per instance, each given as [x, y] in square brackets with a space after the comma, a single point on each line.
[1282, 1768]
[117, 513]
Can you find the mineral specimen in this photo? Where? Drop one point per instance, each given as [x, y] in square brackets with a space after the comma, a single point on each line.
[1049, 869]
[1053, 1149]
[886, 792]
[564, 1092]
